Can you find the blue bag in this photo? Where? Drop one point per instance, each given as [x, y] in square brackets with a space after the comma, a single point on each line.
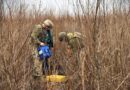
[44, 52]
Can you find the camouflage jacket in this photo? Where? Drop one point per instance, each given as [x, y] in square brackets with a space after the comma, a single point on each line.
[75, 42]
[39, 35]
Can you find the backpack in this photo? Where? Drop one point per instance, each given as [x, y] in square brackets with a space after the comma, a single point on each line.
[74, 35]
[75, 40]
[44, 52]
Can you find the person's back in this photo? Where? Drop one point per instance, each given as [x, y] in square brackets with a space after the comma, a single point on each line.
[75, 41]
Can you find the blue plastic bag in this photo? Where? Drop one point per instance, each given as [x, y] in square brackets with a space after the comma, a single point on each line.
[44, 52]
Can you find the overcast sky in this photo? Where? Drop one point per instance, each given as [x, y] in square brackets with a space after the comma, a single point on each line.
[57, 6]
[60, 6]
[63, 6]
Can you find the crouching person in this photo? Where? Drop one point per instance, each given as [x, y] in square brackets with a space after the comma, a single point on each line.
[75, 47]
[76, 50]
[75, 44]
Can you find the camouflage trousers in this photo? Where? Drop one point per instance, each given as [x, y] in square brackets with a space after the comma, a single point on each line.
[37, 64]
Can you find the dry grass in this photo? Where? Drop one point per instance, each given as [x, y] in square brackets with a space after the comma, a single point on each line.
[108, 51]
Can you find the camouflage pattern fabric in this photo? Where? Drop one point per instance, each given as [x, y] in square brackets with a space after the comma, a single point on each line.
[74, 42]
[37, 67]
[39, 35]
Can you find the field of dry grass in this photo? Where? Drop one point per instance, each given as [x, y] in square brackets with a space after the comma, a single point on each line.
[107, 41]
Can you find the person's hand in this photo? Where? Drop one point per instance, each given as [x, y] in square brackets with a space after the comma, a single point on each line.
[69, 52]
[52, 48]
[42, 44]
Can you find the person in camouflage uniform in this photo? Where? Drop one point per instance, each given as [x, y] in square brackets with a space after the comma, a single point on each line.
[73, 39]
[74, 42]
[77, 55]
[41, 35]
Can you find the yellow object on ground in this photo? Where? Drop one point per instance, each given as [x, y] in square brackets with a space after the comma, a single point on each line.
[56, 78]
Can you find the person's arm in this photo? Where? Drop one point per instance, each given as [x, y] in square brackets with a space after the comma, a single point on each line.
[34, 36]
[50, 38]
[69, 50]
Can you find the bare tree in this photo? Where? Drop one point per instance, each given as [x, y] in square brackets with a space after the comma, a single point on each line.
[1, 16]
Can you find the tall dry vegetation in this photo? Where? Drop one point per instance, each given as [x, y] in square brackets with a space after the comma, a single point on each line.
[107, 46]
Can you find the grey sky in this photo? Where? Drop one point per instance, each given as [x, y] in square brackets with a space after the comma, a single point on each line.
[57, 6]
[69, 6]
[60, 6]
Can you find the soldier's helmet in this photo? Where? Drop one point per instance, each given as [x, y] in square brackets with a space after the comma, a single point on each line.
[48, 23]
[62, 36]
